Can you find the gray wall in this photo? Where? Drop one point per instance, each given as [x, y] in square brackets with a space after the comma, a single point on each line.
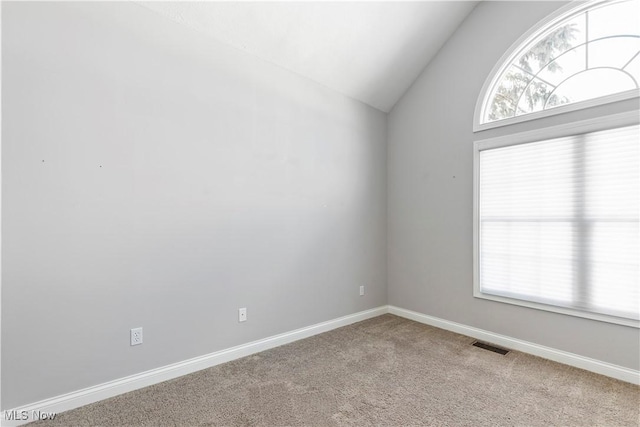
[430, 195]
[155, 178]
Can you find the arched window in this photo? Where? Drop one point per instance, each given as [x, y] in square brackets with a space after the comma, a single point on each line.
[587, 55]
[557, 209]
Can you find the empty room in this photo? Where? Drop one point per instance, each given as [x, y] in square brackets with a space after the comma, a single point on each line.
[314, 213]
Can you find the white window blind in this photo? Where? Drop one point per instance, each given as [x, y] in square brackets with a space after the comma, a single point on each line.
[559, 222]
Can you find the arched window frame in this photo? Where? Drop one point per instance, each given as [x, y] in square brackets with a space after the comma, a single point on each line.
[515, 50]
[511, 136]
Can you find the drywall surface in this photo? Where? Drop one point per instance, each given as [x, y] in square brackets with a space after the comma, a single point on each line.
[430, 199]
[154, 178]
[370, 51]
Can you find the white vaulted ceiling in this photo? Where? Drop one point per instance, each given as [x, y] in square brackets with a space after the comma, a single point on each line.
[369, 51]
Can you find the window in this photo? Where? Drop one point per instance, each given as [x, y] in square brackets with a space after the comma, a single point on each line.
[590, 54]
[557, 220]
[557, 210]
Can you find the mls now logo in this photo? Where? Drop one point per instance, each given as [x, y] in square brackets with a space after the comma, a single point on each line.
[16, 415]
[24, 415]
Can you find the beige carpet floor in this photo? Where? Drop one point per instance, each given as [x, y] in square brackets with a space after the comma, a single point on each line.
[385, 371]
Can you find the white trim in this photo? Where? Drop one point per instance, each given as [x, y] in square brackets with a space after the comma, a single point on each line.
[109, 389]
[560, 310]
[559, 131]
[595, 124]
[571, 359]
[99, 392]
[562, 109]
[523, 42]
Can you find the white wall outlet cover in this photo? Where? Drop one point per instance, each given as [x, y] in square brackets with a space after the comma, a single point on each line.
[361, 290]
[136, 336]
[242, 315]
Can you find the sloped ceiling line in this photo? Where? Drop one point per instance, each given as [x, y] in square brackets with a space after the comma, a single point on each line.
[368, 51]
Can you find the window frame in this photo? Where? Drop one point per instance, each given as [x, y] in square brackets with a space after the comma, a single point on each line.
[515, 50]
[613, 121]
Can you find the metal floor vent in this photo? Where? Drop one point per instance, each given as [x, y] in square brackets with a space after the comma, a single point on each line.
[489, 347]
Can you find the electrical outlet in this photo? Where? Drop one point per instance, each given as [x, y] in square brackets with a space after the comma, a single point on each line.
[136, 336]
[242, 315]
[361, 290]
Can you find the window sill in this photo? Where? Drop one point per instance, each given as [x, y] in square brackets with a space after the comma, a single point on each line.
[560, 310]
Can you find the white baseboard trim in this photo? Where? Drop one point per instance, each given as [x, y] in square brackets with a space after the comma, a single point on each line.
[103, 391]
[571, 359]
